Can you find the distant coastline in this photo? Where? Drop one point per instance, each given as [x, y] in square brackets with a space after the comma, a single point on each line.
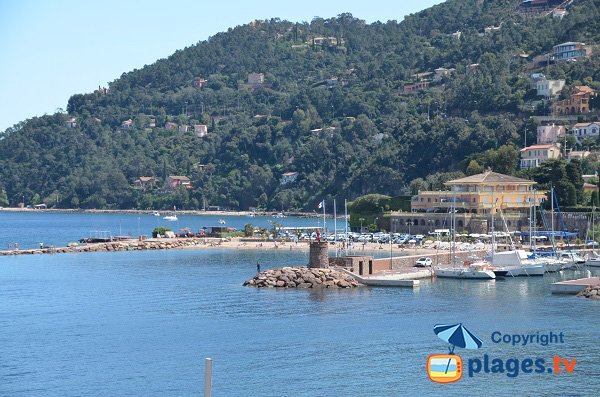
[150, 212]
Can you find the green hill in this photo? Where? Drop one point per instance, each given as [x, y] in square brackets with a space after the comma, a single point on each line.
[332, 109]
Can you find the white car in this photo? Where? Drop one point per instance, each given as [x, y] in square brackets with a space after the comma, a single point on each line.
[423, 262]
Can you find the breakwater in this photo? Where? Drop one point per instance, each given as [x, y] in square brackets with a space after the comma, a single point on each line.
[302, 277]
[125, 245]
[591, 292]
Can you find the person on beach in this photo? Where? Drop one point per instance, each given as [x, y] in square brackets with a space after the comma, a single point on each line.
[257, 267]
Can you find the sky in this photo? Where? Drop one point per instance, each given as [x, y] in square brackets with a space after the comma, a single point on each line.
[51, 50]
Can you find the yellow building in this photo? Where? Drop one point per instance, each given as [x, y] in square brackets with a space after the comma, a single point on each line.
[476, 194]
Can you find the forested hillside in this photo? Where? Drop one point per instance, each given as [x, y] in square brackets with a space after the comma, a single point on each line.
[332, 108]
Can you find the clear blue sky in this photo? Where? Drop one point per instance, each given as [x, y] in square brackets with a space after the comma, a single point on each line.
[53, 49]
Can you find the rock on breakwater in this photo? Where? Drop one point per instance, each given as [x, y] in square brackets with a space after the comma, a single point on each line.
[592, 292]
[126, 245]
[302, 277]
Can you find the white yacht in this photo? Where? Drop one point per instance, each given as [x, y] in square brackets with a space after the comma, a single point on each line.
[171, 218]
[517, 264]
[475, 270]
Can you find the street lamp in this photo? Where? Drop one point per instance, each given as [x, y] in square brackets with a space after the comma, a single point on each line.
[361, 224]
[394, 222]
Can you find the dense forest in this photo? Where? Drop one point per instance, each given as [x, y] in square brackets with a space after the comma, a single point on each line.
[332, 108]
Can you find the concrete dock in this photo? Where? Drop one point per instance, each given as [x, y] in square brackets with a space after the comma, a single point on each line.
[573, 287]
[392, 279]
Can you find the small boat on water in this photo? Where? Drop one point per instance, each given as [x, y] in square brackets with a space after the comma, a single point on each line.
[593, 261]
[472, 270]
[156, 213]
[221, 221]
[170, 218]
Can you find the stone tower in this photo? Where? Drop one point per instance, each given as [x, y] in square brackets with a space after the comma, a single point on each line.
[319, 257]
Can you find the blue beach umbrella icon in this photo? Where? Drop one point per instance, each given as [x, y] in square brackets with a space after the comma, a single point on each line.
[457, 335]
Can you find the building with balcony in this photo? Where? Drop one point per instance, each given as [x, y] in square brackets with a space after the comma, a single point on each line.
[569, 51]
[549, 88]
[473, 200]
[582, 131]
[578, 101]
[477, 194]
[550, 133]
[533, 156]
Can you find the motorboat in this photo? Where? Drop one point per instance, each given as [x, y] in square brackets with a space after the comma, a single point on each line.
[221, 221]
[156, 213]
[170, 218]
[473, 270]
[516, 263]
[571, 259]
[593, 261]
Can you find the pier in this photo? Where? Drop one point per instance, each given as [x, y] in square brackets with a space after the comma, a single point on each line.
[573, 287]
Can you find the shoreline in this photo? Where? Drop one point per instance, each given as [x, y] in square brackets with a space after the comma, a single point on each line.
[149, 212]
[197, 243]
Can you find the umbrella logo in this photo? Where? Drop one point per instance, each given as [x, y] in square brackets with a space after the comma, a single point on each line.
[447, 368]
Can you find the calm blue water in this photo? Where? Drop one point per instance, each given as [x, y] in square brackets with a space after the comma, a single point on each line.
[141, 324]
[28, 229]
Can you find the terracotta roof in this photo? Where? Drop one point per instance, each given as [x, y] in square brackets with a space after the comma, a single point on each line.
[583, 88]
[178, 177]
[541, 146]
[578, 125]
[489, 177]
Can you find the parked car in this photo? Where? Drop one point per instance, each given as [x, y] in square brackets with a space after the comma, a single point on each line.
[423, 262]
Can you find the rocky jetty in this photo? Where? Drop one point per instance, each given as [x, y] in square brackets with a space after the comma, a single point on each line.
[302, 277]
[127, 245]
[592, 292]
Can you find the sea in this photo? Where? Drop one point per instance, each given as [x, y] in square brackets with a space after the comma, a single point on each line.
[142, 323]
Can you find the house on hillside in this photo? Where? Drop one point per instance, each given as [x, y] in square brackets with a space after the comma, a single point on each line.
[550, 133]
[559, 13]
[440, 73]
[199, 83]
[585, 130]
[569, 51]
[325, 41]
[71, 122]
[174, 182]
[578, 154]
[549, 88]
[416, 87]
[182, 128]
[146, 182]
[288, 177]
[256, 78]
[200, 130]
[533, 156]
[578, 101]
[169, 125]
[127, 124]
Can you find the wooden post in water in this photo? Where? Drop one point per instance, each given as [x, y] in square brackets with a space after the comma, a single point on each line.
[208, 377]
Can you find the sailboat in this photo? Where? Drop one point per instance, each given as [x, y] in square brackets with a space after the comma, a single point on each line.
[593, 261]
[517, 262]
[477, 270]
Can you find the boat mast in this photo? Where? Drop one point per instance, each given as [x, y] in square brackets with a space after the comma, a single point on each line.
[530, 222]
[492, 229]
[534, 219]
[552, 217]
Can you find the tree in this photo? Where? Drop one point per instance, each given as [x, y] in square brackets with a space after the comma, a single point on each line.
[248, 230]
[3, 198]
[594, 200]
[573, 174]
[473, 168]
